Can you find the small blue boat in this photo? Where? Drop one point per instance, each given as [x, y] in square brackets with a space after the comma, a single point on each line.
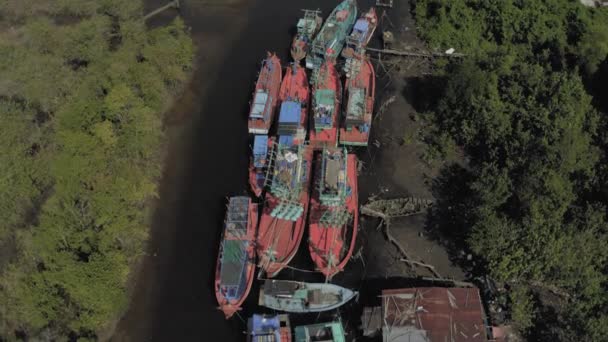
[262, 328]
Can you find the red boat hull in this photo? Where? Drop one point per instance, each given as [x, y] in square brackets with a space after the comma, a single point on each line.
[335, 243]
[299, 49]
[366, 78]
[254, 182]
[229, 307]
[269, 81]
[372, 18]
[328, 79]
[278, 239]
[295, 88]
[257, 175]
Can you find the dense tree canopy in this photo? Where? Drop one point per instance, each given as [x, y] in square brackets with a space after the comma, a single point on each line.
[521, 108]
[84, 84]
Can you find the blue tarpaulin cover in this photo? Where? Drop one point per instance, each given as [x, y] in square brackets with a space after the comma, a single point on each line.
[260, 148]
[260, 144]
[286, 140]
[290, 112]
[261, 327]
[362, 25]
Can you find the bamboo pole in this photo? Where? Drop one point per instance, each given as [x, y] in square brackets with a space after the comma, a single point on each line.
[415, 54]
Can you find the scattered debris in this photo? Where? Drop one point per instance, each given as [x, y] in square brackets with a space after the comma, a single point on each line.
[399, 207]
[387, 39]
[371, 321]
[384, 3]
[384, 106]
[415, 54]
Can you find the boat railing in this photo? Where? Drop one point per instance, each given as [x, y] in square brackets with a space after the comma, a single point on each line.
[337, 197]
[335, 218]
[272, 153]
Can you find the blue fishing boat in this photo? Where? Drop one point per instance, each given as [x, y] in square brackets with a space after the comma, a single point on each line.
[262, 328]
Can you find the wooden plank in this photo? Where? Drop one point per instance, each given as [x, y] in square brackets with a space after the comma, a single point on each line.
[415, 54]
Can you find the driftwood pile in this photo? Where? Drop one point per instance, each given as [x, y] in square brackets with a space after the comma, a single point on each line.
[394, 208]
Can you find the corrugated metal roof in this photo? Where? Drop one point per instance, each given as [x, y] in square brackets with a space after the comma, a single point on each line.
[433, 314]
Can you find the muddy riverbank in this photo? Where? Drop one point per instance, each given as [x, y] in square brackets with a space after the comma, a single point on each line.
[207, 158]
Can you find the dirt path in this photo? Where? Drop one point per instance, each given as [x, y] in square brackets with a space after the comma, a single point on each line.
[395, 166]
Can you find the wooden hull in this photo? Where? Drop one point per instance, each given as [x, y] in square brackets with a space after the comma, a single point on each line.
[372, 20]
[299, 49]
[332, 247]
[328, 296]
[278, 239]
[358, 135]
[268, 83]
[230, 306]
[256, 181]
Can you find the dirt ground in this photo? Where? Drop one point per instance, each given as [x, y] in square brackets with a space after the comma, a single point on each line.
[395, 167]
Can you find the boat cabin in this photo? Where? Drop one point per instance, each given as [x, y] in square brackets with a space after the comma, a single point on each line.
[234, 249]
[290, 119]
[261, 109]
[324, 108]
[333, 182]
[260, 151]
[269, 329]
[355, 110]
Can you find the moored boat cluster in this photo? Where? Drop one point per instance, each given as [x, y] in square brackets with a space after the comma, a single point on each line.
[301, 173]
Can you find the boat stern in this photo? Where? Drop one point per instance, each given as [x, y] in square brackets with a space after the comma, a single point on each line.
[229, 310]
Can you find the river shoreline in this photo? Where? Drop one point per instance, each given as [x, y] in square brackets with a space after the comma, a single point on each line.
[207, 159]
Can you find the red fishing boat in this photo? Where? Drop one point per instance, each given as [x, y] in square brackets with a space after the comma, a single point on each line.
[265, 96]
[362, 33]
[294, 96]
[360, 91]
[236, 261]
[334, 211]
[285, 206]
[327, 95]
[258, 165]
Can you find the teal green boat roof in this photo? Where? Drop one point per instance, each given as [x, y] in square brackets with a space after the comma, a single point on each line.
[325, 97]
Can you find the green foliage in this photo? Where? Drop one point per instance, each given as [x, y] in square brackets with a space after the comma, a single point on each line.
[24, 176]
[83, 87]
[522, 311]
[519, 107]
[547, 31]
